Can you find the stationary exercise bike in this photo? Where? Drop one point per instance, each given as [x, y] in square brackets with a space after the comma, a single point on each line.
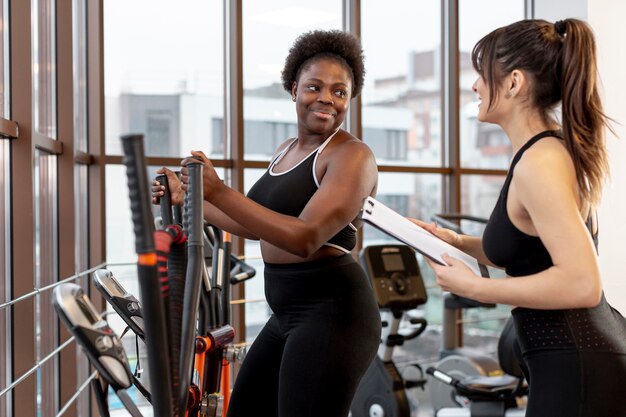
[478, 395]
[398, 286]
[464, 383]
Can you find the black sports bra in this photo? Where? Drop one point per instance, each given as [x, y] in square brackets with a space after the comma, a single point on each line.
[289, 192]
[503, 243]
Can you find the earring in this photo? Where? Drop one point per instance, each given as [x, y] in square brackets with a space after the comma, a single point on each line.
[293, 98]
[508, 94]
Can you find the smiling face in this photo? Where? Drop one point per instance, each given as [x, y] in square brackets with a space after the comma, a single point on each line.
[488, 112]
[322, 93]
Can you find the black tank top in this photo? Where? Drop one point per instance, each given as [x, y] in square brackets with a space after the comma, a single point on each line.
[503, 243]
[598, 329]
[289, 192]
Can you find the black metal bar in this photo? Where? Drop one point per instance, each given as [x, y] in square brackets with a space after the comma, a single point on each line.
[155, 325]
[193, 222]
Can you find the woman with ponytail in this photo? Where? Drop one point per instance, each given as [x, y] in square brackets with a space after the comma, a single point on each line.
[538, 81]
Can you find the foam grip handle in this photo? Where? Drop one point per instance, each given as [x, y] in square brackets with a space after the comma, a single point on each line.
[193, 216]
[165, 202]
[139, 194]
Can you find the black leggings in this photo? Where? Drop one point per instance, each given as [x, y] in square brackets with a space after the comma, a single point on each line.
[576, 384]
[310, 356]
[574, 361]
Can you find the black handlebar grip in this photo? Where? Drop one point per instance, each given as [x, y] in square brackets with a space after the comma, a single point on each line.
[139, 194]
[193, 216]
[165, 202]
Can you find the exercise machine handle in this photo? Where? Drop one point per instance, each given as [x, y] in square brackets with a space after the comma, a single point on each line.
[192, 223]
[155, 328]
[165, 202]
[138, 192]
[244, 271]
[417, 331]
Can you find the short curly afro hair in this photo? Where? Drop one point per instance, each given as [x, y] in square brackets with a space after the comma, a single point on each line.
[336, 44]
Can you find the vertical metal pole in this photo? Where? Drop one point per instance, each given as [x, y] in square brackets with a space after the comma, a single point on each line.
[24, 396]
[529, 9]
[352, 24]
[67, 357]
[233, 128]
[95, 138]
[353, 124]
[450, 103]
[450, 127]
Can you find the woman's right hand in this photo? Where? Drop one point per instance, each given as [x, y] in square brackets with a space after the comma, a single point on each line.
[447, 235]
[177, 195]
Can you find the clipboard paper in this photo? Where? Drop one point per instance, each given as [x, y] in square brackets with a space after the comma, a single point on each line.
[394, 224]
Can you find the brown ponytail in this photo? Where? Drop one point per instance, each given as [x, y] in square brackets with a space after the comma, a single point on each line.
[561, 61]
[583, 118]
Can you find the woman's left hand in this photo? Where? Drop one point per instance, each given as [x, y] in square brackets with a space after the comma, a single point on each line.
[455, 277]
[210, 180]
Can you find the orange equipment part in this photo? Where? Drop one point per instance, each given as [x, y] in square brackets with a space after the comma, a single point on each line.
[147, 259]
[203, 345]
[225, 385]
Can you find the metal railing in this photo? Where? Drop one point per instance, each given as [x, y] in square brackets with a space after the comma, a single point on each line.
[38, 291]
[38, 364]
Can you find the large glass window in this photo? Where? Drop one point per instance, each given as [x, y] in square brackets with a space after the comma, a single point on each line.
[164, 77]
[79, 35]
[44, 68]
[401, 97]
[480, 193]
[482, 145]
[46, 273]
[269, 30]
[80, 132]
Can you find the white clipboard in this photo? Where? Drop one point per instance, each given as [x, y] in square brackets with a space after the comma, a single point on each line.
[394, 224]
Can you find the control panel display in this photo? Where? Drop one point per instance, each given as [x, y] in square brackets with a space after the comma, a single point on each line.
[395, 276]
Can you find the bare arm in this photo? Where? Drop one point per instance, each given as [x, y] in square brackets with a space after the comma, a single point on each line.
[218, 218]
[351, 175]
[211, 213]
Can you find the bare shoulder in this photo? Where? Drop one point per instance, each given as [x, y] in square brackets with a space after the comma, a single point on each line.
[546, 169]
[352, 147]
[546, 159]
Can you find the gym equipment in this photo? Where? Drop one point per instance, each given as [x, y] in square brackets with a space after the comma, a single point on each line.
[124, 303]
[483, 396]
[186, 377]
[464, 378]
[100, 343]
[398, 286]
[157, 340]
